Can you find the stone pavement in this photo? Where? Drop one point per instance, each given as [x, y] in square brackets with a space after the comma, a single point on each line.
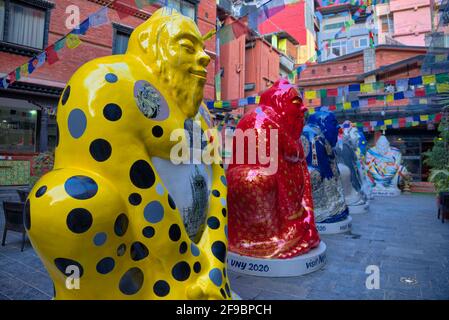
[400, 235]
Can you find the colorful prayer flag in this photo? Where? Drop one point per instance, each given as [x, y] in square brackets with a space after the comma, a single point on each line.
[100, 17]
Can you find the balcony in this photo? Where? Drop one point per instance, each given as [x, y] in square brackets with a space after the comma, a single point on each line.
[286, 63]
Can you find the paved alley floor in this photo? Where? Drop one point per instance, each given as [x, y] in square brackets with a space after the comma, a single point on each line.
[401, 236]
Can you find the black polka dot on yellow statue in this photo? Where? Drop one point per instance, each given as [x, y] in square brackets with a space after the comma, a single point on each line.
[142, 175]
[219, 250]
[174, 232]
[79, 220]
[181, 271]
[41, 191]
[105, 265]
[161, 288]
[157, 131]
[121, 225]
[65, 95]
[138, 251]
[131, 281]
[100, 150]
[112, 112]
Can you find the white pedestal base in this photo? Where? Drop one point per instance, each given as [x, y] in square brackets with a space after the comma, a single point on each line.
[297, 266]
[363, 208]
[336, 227]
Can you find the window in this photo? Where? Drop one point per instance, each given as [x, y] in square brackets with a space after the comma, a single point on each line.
[187, 8]
[360, 43]
[120, 38]
[333, 26]
[337, 48]
[387, 23]
[17, 130]
[24, 25]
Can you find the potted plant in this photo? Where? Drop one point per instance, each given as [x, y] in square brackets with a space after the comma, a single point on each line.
[438, 160]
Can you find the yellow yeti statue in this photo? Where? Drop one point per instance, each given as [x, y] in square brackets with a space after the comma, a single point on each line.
[104, 212]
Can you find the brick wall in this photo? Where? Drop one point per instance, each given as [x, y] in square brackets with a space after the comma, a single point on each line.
[98, 42]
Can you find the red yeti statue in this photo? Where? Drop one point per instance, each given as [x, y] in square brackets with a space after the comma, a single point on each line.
[271, 211]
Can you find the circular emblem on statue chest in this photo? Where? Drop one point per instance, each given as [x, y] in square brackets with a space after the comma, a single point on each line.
[150, 101]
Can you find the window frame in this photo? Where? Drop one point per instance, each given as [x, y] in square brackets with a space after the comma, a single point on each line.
[119, 28]
[19, 48]
[357, 43]
[195, 6]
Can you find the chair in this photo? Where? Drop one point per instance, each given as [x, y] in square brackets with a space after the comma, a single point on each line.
[13, 212]
[23, 194]
[443, 206]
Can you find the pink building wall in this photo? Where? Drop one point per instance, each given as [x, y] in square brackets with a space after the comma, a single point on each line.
[290, 19]
[412, 20]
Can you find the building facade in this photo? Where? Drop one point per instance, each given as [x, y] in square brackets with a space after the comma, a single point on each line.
[29, 26]
[353, 39]
[298, 20]
[406, 22]
[385, 64]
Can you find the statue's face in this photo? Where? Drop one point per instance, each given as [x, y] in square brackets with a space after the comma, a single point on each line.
[185, 64]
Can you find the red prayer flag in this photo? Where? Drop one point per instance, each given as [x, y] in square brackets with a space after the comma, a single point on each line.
[372, 101]
[332, 92]
[420, 92]
[12, 77]
[234, 103]
[438, 117]
[332, 108]
[390, 82]
[52, 56]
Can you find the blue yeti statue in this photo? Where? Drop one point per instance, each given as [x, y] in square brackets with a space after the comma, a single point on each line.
[319, 137]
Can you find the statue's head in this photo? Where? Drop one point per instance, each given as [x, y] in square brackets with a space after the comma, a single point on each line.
[283, 98]
[383, 145]
[171, 45]
[328, 125]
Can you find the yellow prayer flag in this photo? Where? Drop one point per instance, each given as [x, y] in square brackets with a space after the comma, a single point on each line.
[72, 41]
[257, 99]
[424, 117]
[423, 101]
[347, 105]
[442, 87]
[366, 87]
[310, 94]
[390, 97]
[24, 69]
[218, 104]
[311, 110]
[440, 58]
[388, 122]
[429, 79]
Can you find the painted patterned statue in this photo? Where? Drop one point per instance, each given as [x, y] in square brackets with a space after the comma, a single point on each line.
[351, 172]
[270, 203]
[384, 168]
[115, 211]
[319, 139]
